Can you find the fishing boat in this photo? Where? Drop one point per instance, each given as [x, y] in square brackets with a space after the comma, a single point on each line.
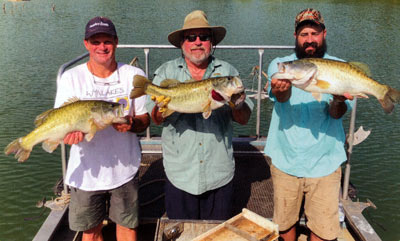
[252, 182]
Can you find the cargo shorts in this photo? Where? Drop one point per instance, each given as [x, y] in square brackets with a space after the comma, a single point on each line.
[321, 204]
[87, 209]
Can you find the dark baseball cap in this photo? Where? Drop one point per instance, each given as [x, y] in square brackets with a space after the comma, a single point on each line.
[309, 15]
[99, 25]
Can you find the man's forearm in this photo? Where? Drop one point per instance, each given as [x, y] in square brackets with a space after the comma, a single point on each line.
[140, 123]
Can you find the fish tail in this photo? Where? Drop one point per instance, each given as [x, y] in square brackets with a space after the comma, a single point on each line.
[15, 147]
[394, 95]
[139, 86]
[391, 96]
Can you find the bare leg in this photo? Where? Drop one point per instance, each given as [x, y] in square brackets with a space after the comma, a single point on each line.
[289, 235]
[93, 234]
[314, 237]
[126, 234]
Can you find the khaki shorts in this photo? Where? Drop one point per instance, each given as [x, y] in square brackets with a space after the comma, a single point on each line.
[87, 209]
[321, 205]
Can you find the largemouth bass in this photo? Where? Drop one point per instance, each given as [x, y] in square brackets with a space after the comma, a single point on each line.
[190, 97]
[87, 116]
[334, 77]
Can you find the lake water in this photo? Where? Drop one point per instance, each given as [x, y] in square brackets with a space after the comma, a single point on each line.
[35, 41]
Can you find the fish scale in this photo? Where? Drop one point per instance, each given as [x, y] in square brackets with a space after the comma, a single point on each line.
[189, 97]
[318, 76]
[87, 116]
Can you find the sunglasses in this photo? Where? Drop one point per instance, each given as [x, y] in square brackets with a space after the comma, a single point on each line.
[193, 37]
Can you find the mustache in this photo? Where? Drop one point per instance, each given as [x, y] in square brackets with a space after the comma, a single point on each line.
[197, 48]
[312, 44]
[300, 50]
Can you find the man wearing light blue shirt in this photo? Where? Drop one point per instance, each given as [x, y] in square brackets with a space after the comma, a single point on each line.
[306, 142]
[197, 152]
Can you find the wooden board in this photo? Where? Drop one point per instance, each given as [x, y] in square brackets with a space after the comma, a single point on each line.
[245, 226]
[190, 229]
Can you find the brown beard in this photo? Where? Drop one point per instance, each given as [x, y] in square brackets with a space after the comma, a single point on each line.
[301, 50]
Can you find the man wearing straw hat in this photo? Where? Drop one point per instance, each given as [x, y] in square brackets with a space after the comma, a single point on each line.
[197, 152]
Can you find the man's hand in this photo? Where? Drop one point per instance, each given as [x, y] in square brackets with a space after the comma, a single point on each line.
[161, 102]
[280, 85]
[282, 89]
[337, 107]
[73, 137]
[124, 127]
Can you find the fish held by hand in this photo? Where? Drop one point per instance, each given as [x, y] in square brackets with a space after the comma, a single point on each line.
[188, 97]
[318, 76]
[87, 116]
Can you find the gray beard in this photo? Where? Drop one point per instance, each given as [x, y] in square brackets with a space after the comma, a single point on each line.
[196, 61]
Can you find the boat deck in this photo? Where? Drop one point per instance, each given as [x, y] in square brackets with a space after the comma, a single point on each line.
[252, 183]
[252, 188]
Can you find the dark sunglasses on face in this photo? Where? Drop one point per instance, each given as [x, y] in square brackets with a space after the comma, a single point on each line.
[193, 37]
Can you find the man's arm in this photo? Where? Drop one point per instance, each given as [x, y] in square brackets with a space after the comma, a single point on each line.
[338, 107]
[140, 123]
[241, 115]
[156, 116]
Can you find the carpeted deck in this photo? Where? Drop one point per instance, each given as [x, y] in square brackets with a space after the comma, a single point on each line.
[252, 183]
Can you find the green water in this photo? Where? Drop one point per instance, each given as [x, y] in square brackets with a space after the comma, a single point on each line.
[35, 41]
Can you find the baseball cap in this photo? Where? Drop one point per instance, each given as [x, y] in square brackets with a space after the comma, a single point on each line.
[99, 25]
[311, 15]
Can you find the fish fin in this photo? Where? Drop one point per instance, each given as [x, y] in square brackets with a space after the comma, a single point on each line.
[139, 86]
[89, 136]
[50, 146]
[207, 114]
[323, 84]
[317, 96]
[167, 112]
[169, 83]
[207, 110]
[93, 129]
[392, 95]
[42, 117]
[70, 101]
[361, 67]
[362, 95]
[15, 147]
[386, 104]
[190, 80]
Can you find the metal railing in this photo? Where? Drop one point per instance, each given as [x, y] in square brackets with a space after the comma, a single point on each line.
[259, 48]
[146, 49]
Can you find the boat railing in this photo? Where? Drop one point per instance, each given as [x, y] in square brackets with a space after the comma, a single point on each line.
[146, 48]
[259, 48]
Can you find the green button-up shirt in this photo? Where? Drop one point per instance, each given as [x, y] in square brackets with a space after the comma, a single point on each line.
[197, 152]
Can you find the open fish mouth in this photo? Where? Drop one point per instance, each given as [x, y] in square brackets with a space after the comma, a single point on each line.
[217, 96]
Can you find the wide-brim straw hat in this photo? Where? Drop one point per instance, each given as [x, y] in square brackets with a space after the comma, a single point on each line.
[194, 20]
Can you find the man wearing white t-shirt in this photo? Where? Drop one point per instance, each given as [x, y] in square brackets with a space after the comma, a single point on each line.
[104, 168]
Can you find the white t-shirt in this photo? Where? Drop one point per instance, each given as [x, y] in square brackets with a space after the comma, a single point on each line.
[111, 158]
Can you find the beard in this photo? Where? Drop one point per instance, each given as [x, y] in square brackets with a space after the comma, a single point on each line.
[197, 60]
[318, 53]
